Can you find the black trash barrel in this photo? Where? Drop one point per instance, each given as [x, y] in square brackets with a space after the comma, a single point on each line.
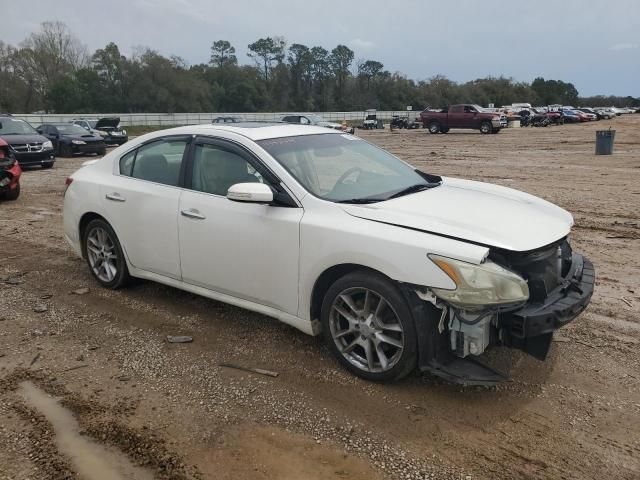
[604, 142]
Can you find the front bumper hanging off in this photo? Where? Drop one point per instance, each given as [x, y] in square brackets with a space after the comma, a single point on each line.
[529, 328]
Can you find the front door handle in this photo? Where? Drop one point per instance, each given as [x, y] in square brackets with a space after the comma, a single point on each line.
[116, 197]
[192, 213]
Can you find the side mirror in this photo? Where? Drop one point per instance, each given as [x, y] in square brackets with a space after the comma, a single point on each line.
[250, 193]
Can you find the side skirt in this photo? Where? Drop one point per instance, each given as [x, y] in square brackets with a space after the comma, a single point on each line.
[307, 326]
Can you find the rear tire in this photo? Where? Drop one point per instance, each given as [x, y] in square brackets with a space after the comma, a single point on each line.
[12, 194]
[434, 127]
[444, 130]
[104, 255]
[486, 127]
[103, 151]
[368, 326]
[46, 166]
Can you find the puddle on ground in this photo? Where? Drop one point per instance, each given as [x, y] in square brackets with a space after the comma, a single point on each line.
[89, 459]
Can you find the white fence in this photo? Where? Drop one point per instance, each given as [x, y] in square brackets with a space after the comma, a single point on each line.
[169, 119]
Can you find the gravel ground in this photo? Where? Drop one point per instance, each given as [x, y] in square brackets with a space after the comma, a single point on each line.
[174, 411]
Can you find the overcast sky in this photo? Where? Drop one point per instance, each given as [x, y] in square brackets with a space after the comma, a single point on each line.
[594, 44]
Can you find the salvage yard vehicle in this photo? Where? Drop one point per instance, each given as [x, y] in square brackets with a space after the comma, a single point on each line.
[10, 172]
[395, 267]
[69, 139]
[402, 121]
[108, 128]
[227, 119]
[462, 116]
[370, 120]
[317, 120]
[28, 146]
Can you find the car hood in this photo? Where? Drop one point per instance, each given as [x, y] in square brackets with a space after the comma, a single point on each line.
[107, 122]
[21, 139]
[478, 212]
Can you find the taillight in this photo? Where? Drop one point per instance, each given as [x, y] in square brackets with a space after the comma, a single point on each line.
[67, 183]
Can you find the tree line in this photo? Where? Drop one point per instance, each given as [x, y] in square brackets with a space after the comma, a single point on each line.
[52, 71]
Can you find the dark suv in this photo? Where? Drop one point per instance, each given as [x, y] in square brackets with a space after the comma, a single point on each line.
[28, 146]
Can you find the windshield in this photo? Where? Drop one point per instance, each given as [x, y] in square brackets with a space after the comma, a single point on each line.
[14, 126]
[315, 118]
[70, 129]
[343, 168]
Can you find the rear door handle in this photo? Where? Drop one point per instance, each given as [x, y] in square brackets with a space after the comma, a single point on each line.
[192, 213]
[116, 197]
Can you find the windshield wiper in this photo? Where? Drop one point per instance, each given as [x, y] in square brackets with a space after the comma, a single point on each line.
[361, 200]
[413, 189]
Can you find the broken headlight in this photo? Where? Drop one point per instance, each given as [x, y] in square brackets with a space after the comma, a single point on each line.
[480, 286]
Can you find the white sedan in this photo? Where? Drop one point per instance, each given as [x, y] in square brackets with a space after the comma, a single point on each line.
[324, 231]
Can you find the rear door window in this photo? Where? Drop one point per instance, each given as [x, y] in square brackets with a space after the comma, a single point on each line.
[158, 162]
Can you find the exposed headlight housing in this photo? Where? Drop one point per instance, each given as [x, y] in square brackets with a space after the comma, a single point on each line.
[78, 142]
[124, 132]
[480, 286]
[47, 145]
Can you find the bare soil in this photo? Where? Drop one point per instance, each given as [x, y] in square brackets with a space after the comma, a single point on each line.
[174, 412]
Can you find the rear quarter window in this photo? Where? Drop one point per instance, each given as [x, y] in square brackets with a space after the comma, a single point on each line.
[126, 163]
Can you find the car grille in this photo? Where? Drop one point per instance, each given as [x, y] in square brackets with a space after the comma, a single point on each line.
[543, 269]
[31, 147]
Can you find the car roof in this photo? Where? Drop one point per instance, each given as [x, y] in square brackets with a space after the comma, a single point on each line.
[252, 130]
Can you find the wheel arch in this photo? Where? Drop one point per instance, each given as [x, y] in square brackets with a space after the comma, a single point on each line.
[329, 276]
[85, 219]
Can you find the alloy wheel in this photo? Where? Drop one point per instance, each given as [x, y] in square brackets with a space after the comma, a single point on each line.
[102, 254]
[366, 329]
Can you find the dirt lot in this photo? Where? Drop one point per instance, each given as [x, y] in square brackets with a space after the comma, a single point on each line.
[154, 409]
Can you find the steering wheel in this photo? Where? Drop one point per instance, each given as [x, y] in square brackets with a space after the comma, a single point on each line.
[348, 173]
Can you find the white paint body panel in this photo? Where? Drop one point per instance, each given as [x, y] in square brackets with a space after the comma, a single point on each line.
[246, 250]
[268, 258]
[475, 211]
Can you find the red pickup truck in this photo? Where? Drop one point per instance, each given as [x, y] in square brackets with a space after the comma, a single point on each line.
[462, 116]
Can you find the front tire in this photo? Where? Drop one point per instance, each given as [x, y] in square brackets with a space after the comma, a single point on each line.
[369, 328]
[434, 127]
[486, 127]
[65, 151]
[444, 130]
[104, 255]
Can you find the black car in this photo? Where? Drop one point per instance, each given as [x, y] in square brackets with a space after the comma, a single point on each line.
[69, 139]
[108, 128]
[28, 146]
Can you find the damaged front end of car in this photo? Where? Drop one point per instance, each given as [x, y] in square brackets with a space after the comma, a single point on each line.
[512, 299]
[10, 171]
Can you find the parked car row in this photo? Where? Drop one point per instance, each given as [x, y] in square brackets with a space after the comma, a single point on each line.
[32, 147]
[22, 146]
